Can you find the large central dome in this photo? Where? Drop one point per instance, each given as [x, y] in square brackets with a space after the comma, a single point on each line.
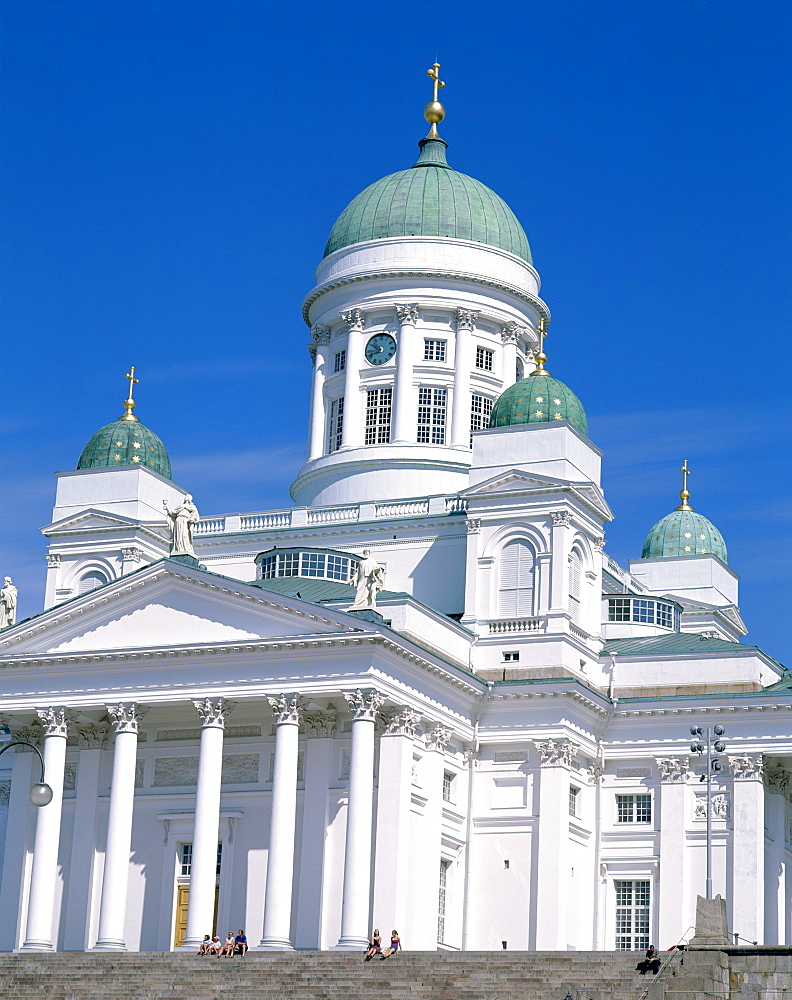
[430, 199]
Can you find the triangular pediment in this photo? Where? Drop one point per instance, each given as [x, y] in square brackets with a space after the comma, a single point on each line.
[165, 605]
[92, 519]
[514, 481]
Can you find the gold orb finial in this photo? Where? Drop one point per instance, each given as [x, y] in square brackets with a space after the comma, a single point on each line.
[434, 112]
[540, 357]
[129, 403]
[684, 496]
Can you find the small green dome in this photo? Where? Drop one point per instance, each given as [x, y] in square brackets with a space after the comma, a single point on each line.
[125, 442]
[684, 533]
[538, 399]
[430, 199]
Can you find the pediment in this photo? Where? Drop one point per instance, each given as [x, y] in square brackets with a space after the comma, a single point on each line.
[161, 606]
[90, 519]
[515, 481]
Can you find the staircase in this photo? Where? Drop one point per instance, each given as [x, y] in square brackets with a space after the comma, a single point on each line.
[321, 975]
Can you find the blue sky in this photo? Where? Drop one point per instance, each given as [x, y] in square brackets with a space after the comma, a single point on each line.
[170, 172]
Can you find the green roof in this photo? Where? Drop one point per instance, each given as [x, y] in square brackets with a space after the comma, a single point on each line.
[430, 199]
[316, 591]
[684, 533]
[125, 442]
[678, 642]
[538, 399]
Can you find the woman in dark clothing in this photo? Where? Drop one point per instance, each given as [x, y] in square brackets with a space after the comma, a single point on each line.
[651, 961]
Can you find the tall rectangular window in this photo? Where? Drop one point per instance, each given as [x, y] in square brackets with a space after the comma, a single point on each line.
[431, 416]
[632, 914]
[633, 808]
[445, 864]
[484, 359]
[574, 796]
[339, 361]
[434, 350]
[378, 415]
[575, 574]
[448, 784]
[336, 424]
[480, 410]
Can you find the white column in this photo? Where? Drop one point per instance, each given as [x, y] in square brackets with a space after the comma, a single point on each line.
[77, 931]
[280, 858]
[203, 871]
[775, 857]
[404, 403]
[357, 854]
[463, 363]
[552, 855]
[674, 909]
[747, 904]
[393, 863]
[317, 421]
[425, 920]
[559, 572]
[25, 771]
[510, 335]
[44, 874]
[112, 911]
[319, 728]
[352, 431]
[473, 609]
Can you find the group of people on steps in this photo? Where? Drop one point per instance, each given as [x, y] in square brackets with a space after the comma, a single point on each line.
[375, 946]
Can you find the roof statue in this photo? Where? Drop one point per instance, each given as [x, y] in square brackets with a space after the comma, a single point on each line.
[8, 603]
[369, 580]
[183, 519]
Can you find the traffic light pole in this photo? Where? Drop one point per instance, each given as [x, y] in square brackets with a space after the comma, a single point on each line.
[713, 764]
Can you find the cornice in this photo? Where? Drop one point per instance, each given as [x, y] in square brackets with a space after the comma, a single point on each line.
[587, 701]
[333, 530]
[466, 276]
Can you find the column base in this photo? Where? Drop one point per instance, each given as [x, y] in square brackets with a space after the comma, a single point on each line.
[274, 944]
[33, 945]
[350, 943]
[109, 944]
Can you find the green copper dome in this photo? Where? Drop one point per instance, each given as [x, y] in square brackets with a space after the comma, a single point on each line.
[125, 442]
[430, 199]
[538, 399]
[684, 533]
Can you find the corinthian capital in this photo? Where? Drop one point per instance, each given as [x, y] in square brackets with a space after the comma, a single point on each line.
[466, 318]
[437, 738]
[125, 718]
[213, 712]
[54, 721]
[402, 723]
[512, 332]
[287, 709]
[747, 766]
[672, 768]
[354, 319]
[407, 314]
[364, 704]
[556, 751]
[320, 334]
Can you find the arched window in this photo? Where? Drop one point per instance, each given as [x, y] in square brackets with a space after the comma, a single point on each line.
[575, 576]
[90, 581]
[515, 598]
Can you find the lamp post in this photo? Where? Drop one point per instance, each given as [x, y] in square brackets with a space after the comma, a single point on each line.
[714, 766]
[40, 793]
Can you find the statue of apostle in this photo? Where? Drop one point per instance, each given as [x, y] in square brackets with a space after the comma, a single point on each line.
[369, 580]
[183, 519]
[8, 603]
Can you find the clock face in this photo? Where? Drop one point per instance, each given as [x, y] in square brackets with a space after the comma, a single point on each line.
[380, 349]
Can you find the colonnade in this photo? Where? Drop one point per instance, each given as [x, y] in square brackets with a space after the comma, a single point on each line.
[289, 713]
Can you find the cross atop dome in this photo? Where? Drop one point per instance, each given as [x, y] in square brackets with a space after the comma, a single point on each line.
[434, 112]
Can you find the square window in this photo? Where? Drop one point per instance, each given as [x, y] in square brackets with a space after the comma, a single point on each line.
[434, 350]
[633, 808]
[484, 359]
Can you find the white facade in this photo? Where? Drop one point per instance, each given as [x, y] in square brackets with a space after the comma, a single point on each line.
[501, 756]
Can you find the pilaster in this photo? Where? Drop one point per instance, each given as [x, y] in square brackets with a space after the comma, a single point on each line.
[405, 403]
[675, 912]
[747, 902]
[320, 335]
[352, 431]
[463, 362]
[552, 855]
[425, 917]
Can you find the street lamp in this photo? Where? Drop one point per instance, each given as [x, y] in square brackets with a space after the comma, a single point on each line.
[714, 766]
[40, 793]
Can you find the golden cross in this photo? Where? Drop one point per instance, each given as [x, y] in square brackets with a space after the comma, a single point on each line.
[434, 72]
[132, 380]
[685, 473]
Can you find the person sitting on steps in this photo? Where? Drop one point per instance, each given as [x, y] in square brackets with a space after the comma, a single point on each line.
[240, 944]
[228, 945]
[652, 961]
[205, 945]
[395, 945]
[375, 946]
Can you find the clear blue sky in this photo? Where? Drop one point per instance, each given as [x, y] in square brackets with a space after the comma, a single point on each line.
[171, 170]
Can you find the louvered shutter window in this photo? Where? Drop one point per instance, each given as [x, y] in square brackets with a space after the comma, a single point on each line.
[90, 581]
[575, 573]
[516, 580]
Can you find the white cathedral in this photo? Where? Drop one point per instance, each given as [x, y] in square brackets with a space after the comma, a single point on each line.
[422, 697]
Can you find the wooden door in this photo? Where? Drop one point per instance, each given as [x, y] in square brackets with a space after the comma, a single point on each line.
[182, 903]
